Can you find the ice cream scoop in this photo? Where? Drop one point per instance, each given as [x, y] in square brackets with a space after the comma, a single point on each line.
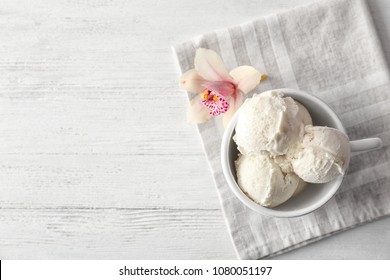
[262, 179]
[303, 114]
[270, 122]
[324, 154]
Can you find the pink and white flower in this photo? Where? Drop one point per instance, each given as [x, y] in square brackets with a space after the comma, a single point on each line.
[219, 91]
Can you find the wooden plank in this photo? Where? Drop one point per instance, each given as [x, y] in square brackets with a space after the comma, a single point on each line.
[110, 125]
[113, 233]
[106, 181]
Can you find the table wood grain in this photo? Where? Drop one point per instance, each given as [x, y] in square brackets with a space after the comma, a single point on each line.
[96, 159]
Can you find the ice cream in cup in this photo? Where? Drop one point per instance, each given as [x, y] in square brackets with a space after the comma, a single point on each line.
[285, 153]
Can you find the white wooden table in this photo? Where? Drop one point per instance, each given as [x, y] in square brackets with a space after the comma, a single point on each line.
[96, 159]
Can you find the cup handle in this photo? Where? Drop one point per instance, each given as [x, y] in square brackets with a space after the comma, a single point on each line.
[366, 144]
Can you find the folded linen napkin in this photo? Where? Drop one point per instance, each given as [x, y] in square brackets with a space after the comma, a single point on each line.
[329, 49]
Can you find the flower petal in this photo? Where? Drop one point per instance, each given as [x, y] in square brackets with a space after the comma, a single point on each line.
[235, 103]
[246, 78]
[222, 88]
[191, 81]
[210, 66]
[196, 112]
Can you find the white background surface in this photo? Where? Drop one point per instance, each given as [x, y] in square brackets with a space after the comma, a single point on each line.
[96, 159]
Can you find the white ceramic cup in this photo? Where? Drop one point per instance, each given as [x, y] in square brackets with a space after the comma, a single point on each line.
[314, 195]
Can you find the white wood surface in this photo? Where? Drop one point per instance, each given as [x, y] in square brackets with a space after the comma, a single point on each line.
[96, 159]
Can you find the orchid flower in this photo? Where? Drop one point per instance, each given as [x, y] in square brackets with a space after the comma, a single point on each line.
[218, 91]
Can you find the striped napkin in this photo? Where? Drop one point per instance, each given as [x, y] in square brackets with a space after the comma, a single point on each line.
[331, 50]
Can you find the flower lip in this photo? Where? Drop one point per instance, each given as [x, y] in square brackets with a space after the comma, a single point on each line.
[215, 102]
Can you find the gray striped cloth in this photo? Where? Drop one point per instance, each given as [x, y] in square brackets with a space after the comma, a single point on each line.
[329, 49]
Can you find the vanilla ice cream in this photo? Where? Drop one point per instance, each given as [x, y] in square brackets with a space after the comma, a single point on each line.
[301, 186]
[270, 122]
[324, 154]
[303, 114]
[281, 150]
[263, 181]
